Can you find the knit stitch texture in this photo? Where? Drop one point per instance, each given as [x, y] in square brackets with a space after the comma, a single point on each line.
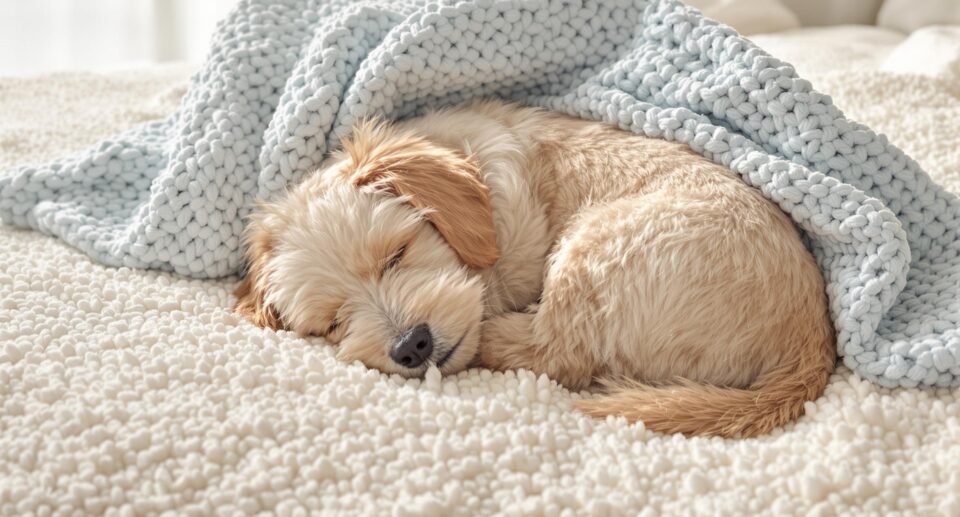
[285, 79]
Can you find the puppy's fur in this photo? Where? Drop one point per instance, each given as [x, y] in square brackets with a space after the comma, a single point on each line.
[526, 239]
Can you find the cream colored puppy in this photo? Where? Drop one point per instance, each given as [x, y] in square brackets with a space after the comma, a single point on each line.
[510, 237]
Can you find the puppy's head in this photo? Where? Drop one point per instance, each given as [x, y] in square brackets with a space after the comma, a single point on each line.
[377, 252]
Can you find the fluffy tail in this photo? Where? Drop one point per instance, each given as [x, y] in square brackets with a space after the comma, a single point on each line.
[776, 398]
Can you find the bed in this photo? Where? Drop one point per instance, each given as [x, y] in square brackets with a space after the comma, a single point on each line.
[133, 392]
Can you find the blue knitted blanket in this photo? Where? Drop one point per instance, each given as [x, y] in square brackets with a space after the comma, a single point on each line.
[285, 78]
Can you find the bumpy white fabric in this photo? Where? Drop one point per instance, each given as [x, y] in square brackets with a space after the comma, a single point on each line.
[130, 392]
[284, 78]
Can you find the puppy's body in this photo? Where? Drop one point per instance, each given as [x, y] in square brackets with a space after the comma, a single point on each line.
[618, 258]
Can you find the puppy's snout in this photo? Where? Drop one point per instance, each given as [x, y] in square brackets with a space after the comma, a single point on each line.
[413, 347]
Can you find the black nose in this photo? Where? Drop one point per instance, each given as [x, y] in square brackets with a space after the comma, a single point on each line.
[413, 347]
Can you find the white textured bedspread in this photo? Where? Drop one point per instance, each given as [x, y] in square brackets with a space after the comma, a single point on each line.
[134, 392]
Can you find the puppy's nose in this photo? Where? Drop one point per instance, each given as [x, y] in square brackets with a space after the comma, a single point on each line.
[413, 347]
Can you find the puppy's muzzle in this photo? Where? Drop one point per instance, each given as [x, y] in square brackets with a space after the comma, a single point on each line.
[413, 347]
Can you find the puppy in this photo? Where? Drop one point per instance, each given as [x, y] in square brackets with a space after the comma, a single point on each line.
[509, 237]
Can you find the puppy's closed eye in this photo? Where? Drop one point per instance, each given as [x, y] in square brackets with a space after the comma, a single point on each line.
[333, 326]
[394, 260]
[336, 328]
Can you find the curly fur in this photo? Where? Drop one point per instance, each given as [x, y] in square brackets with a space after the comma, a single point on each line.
[533, 240]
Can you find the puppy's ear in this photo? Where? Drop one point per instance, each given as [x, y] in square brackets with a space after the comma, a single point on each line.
[442, 182]
[251, 294]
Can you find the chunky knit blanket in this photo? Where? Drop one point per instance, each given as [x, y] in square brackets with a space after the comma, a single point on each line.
[285, 79]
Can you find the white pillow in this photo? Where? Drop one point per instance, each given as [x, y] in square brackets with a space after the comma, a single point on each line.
[931, 51]
[909, 15]
[835, 12]
[749, 16]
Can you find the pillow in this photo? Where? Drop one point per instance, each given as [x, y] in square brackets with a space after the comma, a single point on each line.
[835, 12]
[909, 15]
[749, 16]
[931, 51]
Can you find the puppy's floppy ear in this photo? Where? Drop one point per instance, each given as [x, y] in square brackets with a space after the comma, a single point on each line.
[439, 180]
[251, 294]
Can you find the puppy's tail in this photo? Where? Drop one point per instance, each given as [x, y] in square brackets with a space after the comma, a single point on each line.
[776, 398]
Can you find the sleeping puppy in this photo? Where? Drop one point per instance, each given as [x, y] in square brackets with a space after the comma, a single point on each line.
[509, 237]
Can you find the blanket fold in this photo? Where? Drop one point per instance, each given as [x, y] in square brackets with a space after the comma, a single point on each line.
[285, 79]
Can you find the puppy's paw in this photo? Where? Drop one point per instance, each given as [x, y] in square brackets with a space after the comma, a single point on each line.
[507, 341]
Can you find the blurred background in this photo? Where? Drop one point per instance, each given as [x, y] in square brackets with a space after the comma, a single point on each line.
[39, 36]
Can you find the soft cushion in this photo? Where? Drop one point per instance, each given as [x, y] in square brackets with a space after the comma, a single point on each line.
[835, 12]
[749, 16]
[910, 15]
[930, 51]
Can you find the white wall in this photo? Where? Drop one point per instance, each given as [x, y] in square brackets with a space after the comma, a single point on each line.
[45, 35]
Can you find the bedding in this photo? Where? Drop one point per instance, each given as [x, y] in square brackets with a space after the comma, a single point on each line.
[173, 194]
[130, 392]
